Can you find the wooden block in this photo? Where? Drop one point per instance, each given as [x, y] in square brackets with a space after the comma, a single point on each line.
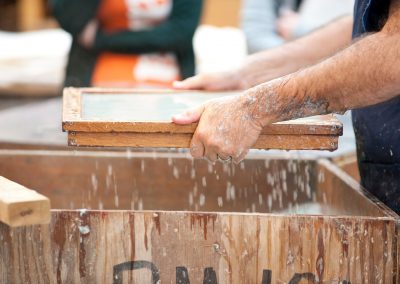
[182, 140]
[20, 206]
[142, 118]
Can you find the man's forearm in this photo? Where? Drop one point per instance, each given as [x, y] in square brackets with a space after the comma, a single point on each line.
[324, 42]
[365, 73]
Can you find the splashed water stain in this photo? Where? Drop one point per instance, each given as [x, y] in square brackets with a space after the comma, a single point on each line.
[84, 230]
[156, 219]
[60, 237]
[203, 220]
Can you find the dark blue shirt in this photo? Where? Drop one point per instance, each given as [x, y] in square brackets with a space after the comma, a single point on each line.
[377, 128]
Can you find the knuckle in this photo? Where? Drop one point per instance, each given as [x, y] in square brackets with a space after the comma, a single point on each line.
[200, 136]
[212, 143]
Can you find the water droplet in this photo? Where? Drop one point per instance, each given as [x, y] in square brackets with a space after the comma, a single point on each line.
[220, 201]
[84, 230]
[202, 199]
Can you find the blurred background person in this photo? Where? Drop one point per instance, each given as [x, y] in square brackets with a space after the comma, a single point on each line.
[128, 43]
[270, 23]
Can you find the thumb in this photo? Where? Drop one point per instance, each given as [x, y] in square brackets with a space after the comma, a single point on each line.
[189, 116]
[192, 83]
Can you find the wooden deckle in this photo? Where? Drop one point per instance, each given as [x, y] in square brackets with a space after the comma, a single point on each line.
[142, 118]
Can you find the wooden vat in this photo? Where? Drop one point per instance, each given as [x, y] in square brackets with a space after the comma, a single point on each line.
[165, 217]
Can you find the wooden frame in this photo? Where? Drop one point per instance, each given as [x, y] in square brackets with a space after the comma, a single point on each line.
[162, 241]
[319, 132]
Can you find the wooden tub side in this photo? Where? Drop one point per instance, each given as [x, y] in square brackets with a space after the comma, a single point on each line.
[339, 188]
[167, 181]
[341, 191]
[143, 247]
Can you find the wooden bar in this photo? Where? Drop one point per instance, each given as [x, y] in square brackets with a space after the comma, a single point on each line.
[20, 206]
[182, 140]
[163, 216]
[142, 118]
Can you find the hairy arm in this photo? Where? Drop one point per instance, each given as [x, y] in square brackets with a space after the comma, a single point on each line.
[365, 73]
[270, 64]
[297, 54]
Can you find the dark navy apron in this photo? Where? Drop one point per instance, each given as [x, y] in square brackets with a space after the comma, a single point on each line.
[377, 128]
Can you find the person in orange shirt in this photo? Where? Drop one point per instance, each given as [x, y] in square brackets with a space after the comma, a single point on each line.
[129, 43]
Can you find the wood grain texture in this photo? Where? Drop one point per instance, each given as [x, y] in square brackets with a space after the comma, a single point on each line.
[182, 140]
[356, 239]
[88, 247]
[20, 206]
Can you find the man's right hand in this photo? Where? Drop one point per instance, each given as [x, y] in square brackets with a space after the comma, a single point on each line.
[223, 81]
[277, 62]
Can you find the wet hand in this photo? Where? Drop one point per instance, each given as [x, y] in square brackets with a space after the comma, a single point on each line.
[226, 130]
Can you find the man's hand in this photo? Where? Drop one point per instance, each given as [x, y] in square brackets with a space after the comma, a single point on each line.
[274, 63]
[227, 128]
[224, 81]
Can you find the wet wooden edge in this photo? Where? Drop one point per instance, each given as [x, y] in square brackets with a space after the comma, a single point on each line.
[72, 119]
[257, 214]
[335, 170]
[124, 154]
[182, 140]
[351, 182]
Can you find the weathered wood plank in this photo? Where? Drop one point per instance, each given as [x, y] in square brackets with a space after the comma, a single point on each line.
[92, 247]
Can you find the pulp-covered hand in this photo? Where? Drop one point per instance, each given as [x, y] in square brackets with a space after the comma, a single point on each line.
[226, 130]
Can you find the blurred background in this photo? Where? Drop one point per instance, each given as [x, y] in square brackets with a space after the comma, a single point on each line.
[34, 49]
